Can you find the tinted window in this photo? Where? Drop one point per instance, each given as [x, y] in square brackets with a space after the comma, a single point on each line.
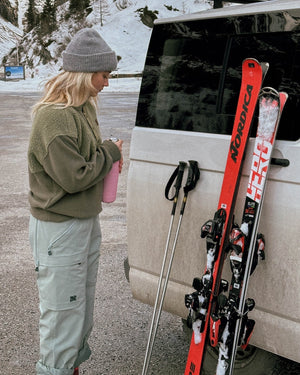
[192, 74]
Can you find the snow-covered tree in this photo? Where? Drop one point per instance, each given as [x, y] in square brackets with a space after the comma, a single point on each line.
[48, 17]
[77, 6]
[31, 16]
[8, 12]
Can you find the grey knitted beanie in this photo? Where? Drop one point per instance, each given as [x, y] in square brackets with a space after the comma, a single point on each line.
[88, 52]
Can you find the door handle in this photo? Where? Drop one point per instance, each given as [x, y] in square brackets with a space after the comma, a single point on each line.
[280, 162]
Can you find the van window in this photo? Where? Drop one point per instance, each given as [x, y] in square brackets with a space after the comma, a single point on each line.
[192, 74]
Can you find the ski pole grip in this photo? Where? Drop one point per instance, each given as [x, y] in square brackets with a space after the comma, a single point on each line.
[178, 175]
[178, 182]
[177, 185]
[191, 182]
[193, 176]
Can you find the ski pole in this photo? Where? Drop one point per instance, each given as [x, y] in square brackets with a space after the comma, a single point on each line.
[192, 178]
[178, 174]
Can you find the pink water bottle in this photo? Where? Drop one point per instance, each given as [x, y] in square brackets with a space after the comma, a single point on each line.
[111, 183]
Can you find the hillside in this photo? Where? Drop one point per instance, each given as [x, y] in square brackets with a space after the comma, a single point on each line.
[122, 28]
[9, 36]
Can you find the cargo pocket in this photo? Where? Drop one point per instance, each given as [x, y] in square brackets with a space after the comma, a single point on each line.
[62, 287]
[62, 270]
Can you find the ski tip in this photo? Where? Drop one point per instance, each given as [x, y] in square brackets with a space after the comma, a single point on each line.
[250, 62]
[248, 59]
[265, 67]
[253, 64]
[271, 92]
[283, 96]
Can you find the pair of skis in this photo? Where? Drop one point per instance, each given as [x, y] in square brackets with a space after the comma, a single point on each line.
[208, 305]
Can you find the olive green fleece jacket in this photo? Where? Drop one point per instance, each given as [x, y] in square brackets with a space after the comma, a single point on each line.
[67, 163]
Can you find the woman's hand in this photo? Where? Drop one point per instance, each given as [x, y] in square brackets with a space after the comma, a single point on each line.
[119, 143]
[120, 164]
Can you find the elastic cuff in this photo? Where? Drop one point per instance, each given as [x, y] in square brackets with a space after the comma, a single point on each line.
[45, 370]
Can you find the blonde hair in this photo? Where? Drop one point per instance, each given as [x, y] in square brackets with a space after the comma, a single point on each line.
[68, 89]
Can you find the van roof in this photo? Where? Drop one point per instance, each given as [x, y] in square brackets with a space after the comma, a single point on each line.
[236, 10]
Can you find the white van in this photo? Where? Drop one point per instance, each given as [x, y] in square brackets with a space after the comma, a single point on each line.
[186, 110]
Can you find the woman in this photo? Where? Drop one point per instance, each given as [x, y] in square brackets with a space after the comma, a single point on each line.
[67, 163]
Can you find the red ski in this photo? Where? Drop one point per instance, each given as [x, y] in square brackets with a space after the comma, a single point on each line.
[216, 231]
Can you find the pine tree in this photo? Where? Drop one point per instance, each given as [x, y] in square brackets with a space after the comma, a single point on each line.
[48, 17]
[77, 6]
[8, 12]
[31, 16]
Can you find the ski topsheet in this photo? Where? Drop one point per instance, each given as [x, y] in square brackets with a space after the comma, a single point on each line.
[217, 230]
[234, 327]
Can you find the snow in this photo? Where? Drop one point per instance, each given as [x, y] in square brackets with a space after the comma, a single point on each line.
[122, 30]
[196, 328]
[268, 113]
[8, 34]
[223, 352]
[37, 84]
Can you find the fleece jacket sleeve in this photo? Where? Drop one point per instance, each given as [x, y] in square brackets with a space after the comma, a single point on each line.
[69, 169]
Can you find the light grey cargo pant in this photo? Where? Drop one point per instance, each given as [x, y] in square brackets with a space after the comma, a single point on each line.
[66, 256]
